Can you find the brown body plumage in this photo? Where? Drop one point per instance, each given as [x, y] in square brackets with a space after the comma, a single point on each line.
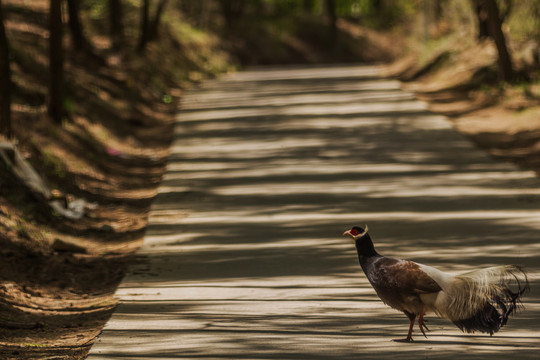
[480, 300]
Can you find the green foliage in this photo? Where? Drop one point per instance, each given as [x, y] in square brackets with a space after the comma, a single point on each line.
[167, 99]
[372, 12]
[69, 104]
[524, 21]
[26, 230]
[199, 51]
[22, 230]
[96, 9]
[379, 14]
[284, 7]
[55, 163]
[34, 345]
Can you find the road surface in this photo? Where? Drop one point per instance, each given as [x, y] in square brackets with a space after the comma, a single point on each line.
[244, 257]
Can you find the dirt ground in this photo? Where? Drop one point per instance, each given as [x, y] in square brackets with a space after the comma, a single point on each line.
[506, 125]
[58, 276]
[503, 119]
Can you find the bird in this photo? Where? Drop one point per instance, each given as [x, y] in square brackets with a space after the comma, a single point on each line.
[479, 300]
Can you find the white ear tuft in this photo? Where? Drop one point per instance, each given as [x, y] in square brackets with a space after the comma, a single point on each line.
[363, 233]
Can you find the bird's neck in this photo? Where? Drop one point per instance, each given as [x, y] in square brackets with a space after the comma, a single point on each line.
[365, 249]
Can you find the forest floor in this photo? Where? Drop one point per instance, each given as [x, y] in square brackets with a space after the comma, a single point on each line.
[503, 119]
[58, 276]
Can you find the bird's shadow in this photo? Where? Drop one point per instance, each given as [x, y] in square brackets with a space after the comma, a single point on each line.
[467, 340]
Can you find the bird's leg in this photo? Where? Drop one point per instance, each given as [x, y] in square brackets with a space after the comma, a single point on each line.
[409, 335]
[422, 323]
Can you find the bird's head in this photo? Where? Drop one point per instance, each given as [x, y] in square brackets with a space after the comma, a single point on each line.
[362, 241]
[356, 232]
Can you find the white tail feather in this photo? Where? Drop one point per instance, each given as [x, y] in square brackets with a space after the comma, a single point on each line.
[482, 299]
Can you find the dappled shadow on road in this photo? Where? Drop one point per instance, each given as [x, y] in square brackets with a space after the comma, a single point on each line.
[243, 256]
[226, 328]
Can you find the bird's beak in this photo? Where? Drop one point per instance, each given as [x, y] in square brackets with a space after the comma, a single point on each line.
[348, 232]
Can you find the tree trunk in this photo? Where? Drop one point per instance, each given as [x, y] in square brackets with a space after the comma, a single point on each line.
[77, 36]
[378, 7]
[308, 6]
[157, 18]
[5, 81]
[56, 62]
[438, 10]
[481, 16]
[330, 6]
[232, 11]
[145, 26]
[506, 71]
[116, 19]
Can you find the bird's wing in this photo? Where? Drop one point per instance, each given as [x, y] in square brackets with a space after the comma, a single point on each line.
[407, 276]
[418, 279]
[401, 284]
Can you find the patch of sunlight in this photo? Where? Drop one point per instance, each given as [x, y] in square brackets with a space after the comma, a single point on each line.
[480, 250]
[303, 110]
[242, 94]
[245, 148]
[202, 132]
[328, 284]
[370, 189]
[306, 168]
[279, 100]
[247, 217]
[185, 238]
[251, 294]
[297, 73]
[318, 166]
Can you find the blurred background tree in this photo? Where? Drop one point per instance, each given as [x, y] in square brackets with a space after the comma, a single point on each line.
[116, 20]
[78, 40]
[56, 62]
[259, 32]
[149, 26]
[490, 13]
[5, 81]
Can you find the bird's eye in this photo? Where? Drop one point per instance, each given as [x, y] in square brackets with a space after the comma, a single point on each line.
[355, 231]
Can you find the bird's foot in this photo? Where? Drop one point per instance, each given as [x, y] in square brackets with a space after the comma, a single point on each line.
[407, 339]
[422, 325]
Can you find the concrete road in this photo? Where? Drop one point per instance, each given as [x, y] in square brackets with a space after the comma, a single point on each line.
[244, 257]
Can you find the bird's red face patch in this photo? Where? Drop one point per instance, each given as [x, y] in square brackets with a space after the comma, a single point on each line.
[355, 232]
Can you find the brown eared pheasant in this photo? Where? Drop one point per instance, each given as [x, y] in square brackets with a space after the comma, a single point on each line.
[480, 300]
